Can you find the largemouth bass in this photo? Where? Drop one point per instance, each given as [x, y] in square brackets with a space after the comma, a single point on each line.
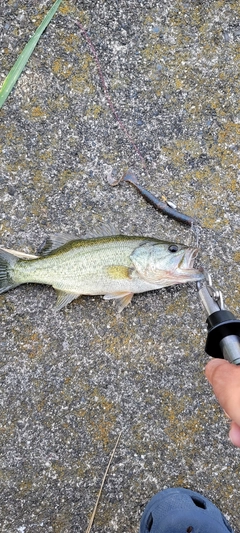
[115, 266]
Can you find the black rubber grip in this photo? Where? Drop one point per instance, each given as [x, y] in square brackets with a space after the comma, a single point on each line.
[220, 325]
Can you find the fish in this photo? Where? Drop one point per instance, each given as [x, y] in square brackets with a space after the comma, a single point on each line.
[165, 208]
[115, 266]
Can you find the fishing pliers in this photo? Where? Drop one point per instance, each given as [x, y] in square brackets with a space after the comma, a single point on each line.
[223, 337]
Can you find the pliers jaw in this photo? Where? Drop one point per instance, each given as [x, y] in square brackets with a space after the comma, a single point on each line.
[211, 298]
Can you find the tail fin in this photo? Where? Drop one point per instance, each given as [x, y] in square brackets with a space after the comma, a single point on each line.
[7, 263]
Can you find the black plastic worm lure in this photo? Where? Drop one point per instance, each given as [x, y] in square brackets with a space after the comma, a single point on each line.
[158, 204]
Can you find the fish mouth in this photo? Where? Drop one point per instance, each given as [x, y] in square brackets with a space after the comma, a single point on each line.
[192, 256]
[187, 261]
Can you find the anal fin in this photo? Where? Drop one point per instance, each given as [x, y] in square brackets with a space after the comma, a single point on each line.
[64, 298]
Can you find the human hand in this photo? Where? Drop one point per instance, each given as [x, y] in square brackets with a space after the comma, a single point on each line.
[225, 380]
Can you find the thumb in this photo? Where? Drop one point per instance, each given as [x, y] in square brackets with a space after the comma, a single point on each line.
[225, 380]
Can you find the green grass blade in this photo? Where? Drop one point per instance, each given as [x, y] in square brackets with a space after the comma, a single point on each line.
[19, 65]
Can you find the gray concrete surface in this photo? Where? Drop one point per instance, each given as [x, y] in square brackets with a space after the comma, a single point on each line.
[72, 381]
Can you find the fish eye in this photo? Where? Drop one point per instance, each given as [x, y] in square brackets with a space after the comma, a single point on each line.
[173, 248]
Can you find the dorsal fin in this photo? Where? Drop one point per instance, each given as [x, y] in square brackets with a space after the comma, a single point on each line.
[55, 241]
[103, 230]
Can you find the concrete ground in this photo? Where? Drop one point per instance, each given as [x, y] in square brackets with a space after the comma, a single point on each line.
[72, 380]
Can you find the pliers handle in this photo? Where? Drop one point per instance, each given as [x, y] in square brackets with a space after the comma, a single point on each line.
[223, 339]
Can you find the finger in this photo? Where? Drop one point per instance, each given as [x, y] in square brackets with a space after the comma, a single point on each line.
[234, 434]
[212, 366]
[225, 379]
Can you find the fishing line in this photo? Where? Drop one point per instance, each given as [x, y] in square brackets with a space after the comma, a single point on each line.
[107, 95]
[167, 208]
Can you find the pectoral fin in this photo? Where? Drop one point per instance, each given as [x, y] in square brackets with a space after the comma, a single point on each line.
[64, 298]
[123, 299]
[119, 272]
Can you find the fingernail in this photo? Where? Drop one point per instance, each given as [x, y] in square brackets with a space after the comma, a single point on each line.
[234, 434]
[225, 412]
[211, 366]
